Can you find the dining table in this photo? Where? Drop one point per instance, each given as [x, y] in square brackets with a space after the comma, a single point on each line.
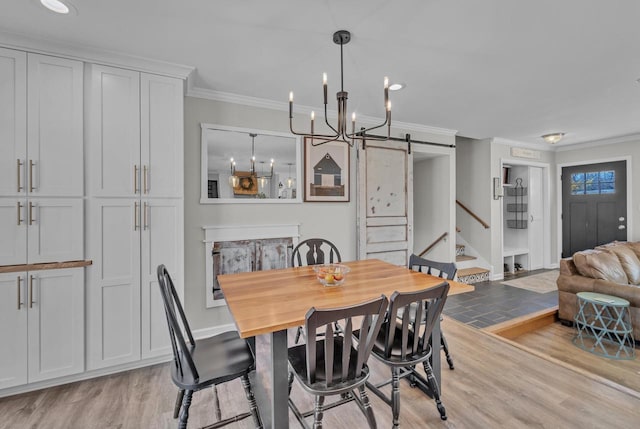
[272, 301]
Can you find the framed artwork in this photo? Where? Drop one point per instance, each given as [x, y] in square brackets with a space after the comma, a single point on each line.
[326, 171]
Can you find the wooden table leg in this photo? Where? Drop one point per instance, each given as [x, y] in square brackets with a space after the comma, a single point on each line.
[279, 383]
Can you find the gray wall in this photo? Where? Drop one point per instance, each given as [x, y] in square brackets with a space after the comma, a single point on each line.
[334, 221]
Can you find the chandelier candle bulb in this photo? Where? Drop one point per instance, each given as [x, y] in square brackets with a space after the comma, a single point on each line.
[324, 86]
[290, 104]
[386, 90]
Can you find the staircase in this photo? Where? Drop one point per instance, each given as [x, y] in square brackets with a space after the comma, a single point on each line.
[466, 273]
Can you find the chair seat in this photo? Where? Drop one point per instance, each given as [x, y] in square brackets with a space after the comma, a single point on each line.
[220, 358]
[395, 358]
[298, 362]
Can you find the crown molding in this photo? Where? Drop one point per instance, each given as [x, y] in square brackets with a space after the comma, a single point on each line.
[602, 142]
[508, 142]
[93, 55]
[247, 100]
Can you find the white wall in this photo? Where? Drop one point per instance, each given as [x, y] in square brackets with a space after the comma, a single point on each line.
[433, 207]
[474, 190]
[334, 221]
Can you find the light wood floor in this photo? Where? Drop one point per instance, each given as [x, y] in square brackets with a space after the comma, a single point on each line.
[554, 340]
[494, 385]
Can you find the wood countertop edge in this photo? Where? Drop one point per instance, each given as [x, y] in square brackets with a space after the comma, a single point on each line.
[44, 266]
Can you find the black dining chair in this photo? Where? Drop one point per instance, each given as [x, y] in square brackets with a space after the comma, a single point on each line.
[335, 364]
[315, 251]
[403, 343]
[445, 270]
[205, 362]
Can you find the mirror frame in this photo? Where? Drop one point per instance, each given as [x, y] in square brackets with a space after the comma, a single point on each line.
[204, 153]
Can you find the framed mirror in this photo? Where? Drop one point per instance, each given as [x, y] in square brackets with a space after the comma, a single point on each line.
[241, 165]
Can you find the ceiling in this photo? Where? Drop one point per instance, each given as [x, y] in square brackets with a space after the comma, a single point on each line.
[491, 68]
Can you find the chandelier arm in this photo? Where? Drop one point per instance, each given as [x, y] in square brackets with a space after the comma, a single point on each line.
[326, 121]
[310, 135]
[313, 143]
[358, 135]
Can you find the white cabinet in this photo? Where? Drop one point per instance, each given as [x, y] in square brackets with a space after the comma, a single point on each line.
[128, 240]
[135, 176]
[41, 167]
[135, 132]
[13, 121]
[42, 325]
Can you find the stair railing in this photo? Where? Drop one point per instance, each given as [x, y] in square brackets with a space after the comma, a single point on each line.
[432, 245]
[473, 215]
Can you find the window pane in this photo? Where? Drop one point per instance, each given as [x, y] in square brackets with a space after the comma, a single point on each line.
[607, 176]
[577, 184]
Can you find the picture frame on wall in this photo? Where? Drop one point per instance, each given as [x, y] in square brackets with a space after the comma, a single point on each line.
[326, 171]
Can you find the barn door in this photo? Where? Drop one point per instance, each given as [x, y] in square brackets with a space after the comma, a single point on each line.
[385, 202]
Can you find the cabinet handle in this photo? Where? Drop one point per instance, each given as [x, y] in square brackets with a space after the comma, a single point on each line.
[144, 177]
[20, 164]
[19, 204]
[31, 292]
[19, 283]
[146, 216]
[31, 219]
[136, 216]
[135, 179]
[31, 187]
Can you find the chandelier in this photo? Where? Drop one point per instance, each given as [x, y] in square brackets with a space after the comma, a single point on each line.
[340, 132]
[234, 180]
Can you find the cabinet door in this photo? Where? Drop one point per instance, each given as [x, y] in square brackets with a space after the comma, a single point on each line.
[162, 135]
[113, 123]
[13, 231]
[162, 232]
[113, 298]
[55, 162]
[56, 323]
[55, 229]
[13, 121]
[13, 330]
[273, 254]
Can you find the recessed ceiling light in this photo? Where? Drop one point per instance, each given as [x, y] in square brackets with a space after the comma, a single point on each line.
[396, 86]
[56, 6]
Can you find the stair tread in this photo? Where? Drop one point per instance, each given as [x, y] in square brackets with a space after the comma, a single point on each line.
[461, 258]
[470, 271]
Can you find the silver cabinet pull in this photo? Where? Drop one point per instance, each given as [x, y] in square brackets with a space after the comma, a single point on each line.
[19, 204]
[146, 216]
[31, 187]
[31, 219]
[31, 301]
[145, 178]
[19, 283]
[19, 167]
[622, 227]
[135, 179]
[135, 216]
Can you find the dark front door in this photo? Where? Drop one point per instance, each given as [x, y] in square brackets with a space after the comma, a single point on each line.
[594, 205]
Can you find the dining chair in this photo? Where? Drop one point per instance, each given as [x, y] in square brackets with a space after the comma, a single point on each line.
[314, 251]
[445, 270]
[205, 362]
[403, 343]
[335, 364]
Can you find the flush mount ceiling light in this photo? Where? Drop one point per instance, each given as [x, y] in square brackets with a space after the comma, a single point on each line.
[56, 6]
[553, 138]
[339, 132]
[397, 86]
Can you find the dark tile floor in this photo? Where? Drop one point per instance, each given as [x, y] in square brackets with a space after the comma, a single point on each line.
[492, 302]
